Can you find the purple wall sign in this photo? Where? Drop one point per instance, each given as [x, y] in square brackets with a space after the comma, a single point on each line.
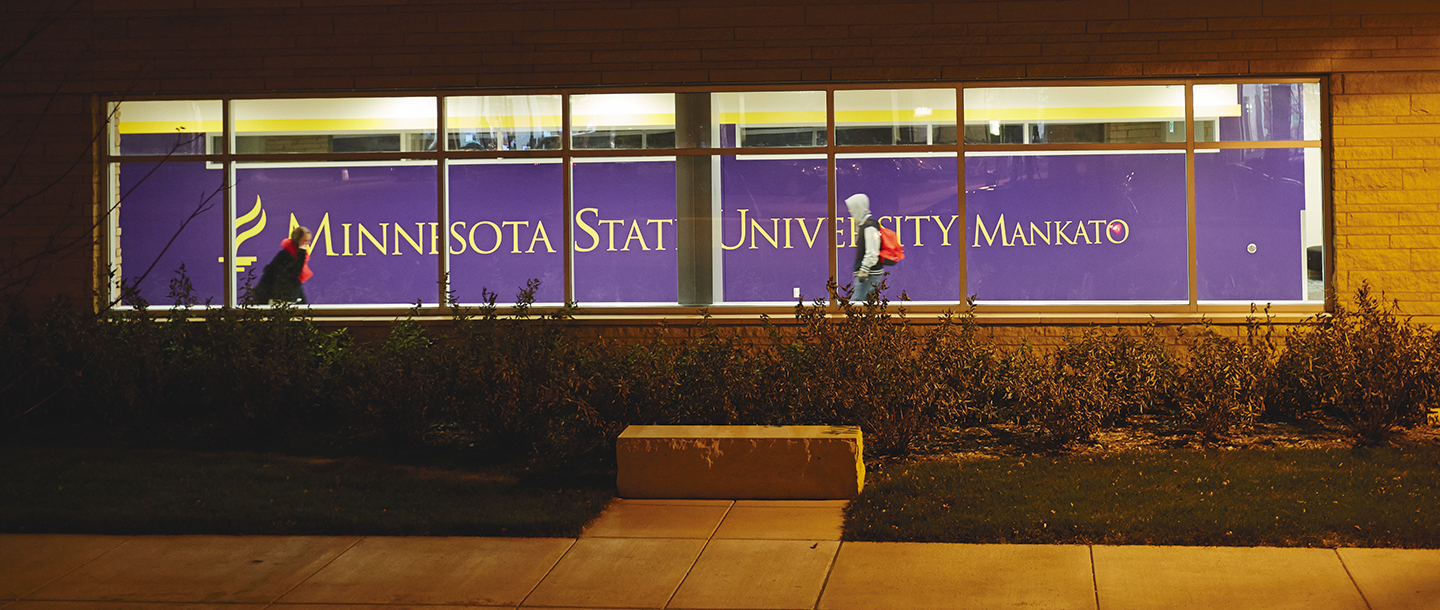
[374, 229]
[152, 211]
[507, 226]
[773, 229]
[1080, 227]
[624, 232]
[917, 198]
[1247, 224]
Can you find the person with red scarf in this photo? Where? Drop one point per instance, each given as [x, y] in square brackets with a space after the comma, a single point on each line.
[284, 278]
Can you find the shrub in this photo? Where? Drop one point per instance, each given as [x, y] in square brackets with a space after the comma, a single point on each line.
[1366, 366]
[1222, 385]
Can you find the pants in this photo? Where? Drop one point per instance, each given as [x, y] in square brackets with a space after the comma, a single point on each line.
[864, 288]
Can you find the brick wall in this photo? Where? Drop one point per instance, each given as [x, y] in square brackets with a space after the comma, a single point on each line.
[1383, 57]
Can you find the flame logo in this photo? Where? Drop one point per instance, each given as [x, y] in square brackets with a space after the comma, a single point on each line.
[258, 211]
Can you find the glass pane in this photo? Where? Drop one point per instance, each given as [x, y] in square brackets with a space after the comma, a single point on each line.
[771, 118]
[622, 121]
[1075, 115]
[160, 202]
[1076, 227]
[339, 125]
[375, 233]
[1258, 225]
[507, 226]
[773, 228]
[166, 128]
[883, 117]
[916, 196]
[625, 231]
[1258, 112]
[503, 122]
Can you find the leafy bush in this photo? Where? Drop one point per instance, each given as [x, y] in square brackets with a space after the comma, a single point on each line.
[1222, 385]
[1366, 366]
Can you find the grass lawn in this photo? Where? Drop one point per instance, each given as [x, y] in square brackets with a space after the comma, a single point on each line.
[115, 491]
[1247, 497]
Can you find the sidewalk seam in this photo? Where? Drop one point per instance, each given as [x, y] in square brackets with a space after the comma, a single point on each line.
[547, 574]
[1336, 550]
[312, 574]
[830, 569]
[20, 598]
[690, 569]
[1094, 580]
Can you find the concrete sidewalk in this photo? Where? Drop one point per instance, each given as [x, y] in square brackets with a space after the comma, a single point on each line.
[692, 554]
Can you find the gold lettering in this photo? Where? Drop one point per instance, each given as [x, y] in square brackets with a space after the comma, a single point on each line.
[660, 230]
[755, 228]
[635, 234]
[787, 232]
[1019, 233]
[458, 237]
[810, 239]
[594, 237]
[743, 212]
[610, 224]
[944, 228]
[493, 227]
[434, 237]
[515, 233]
[346, 226]
[540, 236]
[1109, 234]
[1045, 236]
[321, 232]
[989, 237]
[1080, 232]
[1097, 224]
[1060, 233]
[414, 243]
[917, 220]
[383, 244]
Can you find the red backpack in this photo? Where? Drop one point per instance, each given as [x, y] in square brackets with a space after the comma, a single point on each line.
[891, 250]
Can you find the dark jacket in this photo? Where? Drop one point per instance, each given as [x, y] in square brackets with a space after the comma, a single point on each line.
[280, 281]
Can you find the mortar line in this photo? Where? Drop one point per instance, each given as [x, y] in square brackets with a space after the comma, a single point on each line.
[690, 569]
[1352, 579]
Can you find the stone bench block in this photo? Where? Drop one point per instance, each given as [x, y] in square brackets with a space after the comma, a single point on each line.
[740, 462]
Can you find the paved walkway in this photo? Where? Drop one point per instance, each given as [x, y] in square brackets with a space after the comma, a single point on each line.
[692, 554]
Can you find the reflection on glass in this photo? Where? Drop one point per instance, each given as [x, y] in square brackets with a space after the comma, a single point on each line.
[885, 117]
[916, 196]
[180, 201]
[503, 122]
[1075, 115]
[376, 239]
[507, 227]
[166, 128]
[769, 118]
[340, 125]
[773, 228]
[622, 121]
[1259, 112]
[1256, 225]
[624, 231]
[1076, 227]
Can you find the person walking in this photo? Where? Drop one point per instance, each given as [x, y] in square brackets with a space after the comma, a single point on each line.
[284, 278]
[868, 270]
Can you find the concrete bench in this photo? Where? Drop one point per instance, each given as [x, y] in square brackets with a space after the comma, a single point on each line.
[740, 462]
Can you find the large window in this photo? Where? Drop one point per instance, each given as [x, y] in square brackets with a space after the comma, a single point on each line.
[1179, 195]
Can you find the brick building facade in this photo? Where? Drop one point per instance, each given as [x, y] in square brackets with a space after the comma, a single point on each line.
[1379, 61]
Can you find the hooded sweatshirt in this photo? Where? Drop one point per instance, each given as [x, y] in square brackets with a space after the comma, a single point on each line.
[867, 257]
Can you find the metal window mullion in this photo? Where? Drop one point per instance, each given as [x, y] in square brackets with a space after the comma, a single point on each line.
[442, 204]
[960, 192]
[1191, 262]
[227, 160]
[831, 213]
[567, 198]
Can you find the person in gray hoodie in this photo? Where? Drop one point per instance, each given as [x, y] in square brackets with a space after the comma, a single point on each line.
[868, 272]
